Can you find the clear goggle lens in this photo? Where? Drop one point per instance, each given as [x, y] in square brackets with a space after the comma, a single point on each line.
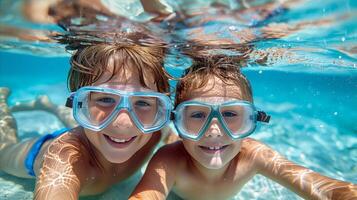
[237, 119]
[95, 109]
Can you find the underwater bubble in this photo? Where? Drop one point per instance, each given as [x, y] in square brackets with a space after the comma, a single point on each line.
[335, 113]
[343, 39]
[260, 72]
[77, 21]
[102, 18]
[232, 28]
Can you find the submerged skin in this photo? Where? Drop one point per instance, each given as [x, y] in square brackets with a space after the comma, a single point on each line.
[193, 174]
[82, 162]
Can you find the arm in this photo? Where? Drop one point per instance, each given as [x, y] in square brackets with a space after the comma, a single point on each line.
[159, 176]
[304, 182]
[61, 172]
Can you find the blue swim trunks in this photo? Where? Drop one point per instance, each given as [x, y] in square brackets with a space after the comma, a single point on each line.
[36, 147]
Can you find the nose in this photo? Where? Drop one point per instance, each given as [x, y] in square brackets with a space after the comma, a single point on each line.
[123, 120]
[214, 130]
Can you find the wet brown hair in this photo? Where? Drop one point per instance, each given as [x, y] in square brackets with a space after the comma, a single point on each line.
[89, 63]
[205, 68]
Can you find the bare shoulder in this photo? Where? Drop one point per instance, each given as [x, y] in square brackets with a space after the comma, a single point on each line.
[65, 152]
[161, 173]
[170, 154]
[252, 146]
[64, 167]
[68, 143]
[258, 152]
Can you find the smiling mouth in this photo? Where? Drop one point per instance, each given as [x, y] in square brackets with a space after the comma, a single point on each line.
[213, 149]
[119, 143]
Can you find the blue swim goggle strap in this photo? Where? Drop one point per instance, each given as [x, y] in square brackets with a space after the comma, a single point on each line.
[96, 107]
[238, 118]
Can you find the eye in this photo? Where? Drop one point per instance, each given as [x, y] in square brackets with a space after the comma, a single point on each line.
[142, 103]
[229, 114]
[198, 115]
[105, 101]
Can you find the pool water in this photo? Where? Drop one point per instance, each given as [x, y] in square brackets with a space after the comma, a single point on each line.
[313, 103]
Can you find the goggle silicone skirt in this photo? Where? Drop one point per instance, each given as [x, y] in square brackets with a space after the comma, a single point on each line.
[96, 107]
[237, 118]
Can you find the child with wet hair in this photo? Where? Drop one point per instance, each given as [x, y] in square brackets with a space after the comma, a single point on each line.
[214, 115]
[120, 101]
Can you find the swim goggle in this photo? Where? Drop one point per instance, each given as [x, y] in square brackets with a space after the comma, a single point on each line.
[96, 107]
[238, 118]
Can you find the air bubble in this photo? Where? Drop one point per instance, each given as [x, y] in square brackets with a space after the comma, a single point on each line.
[343, 39]
[232, 28]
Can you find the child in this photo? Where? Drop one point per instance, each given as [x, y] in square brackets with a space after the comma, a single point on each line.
[214, 114]
[120, 103]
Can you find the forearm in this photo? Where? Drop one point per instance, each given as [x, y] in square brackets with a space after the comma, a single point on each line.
[305, 182]
[57, 185]
[55, 192]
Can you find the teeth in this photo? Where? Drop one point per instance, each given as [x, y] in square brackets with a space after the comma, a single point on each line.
[214, 148]
[119, 140]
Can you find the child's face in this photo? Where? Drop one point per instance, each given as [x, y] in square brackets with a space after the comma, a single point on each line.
[215, 149]
[121, 139]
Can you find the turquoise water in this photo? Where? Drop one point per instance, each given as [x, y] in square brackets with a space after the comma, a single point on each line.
[312, 100]
[313, 119]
